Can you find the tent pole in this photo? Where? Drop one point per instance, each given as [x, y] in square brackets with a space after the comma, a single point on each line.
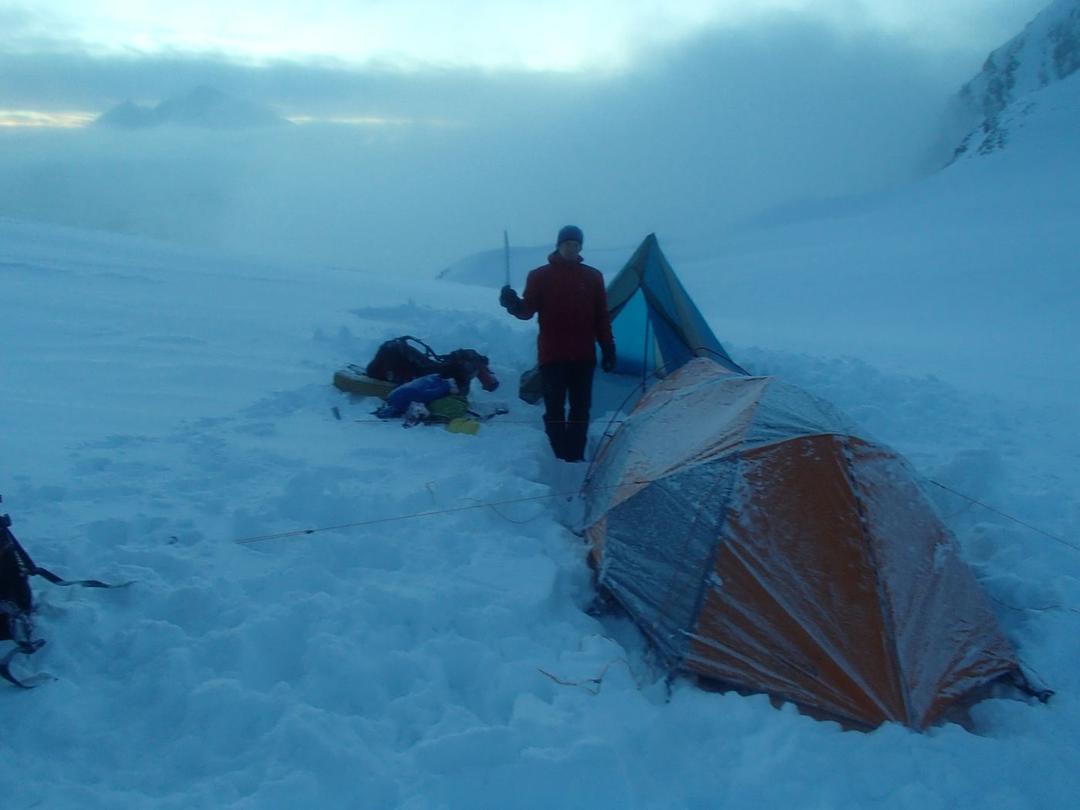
[645, 352]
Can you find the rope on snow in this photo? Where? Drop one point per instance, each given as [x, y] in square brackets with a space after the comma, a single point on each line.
[553, 495]
[1007, 516]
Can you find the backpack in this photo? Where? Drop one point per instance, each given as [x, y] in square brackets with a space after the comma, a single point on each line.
[464, 364]
[398, 361]
[17, 602]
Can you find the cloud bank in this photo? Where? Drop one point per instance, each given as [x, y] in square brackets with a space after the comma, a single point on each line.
[691, 140]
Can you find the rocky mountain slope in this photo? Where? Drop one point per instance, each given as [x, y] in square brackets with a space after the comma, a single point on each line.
[995, 101]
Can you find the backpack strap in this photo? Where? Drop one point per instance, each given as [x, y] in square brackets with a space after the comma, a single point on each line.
[428, 351]
[18, 618]
[33, 569]
[15, 616]
[22, 648]
[45, 573]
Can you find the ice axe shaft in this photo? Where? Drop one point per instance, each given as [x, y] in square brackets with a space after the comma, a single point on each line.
[506, 256]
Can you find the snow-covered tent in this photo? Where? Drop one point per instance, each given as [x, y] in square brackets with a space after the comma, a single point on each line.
[761, 544]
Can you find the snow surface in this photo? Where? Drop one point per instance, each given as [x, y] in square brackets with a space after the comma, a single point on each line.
[167, 418]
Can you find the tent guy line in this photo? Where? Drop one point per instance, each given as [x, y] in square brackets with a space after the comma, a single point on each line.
[413, 515]
[1005, 515]
[594, 684]
[554, 495]
[1033, 609]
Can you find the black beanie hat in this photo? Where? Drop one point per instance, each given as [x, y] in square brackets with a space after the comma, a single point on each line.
[570, 233]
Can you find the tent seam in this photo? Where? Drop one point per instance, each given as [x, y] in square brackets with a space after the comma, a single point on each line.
[886, 606]
[713, 551]
[793, 614]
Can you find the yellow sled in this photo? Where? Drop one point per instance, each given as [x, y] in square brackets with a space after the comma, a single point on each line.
[355, 381]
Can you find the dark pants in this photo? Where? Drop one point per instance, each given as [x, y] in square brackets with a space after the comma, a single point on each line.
[562, 382]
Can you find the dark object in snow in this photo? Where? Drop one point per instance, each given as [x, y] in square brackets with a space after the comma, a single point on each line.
[17, 603]
[407, 358]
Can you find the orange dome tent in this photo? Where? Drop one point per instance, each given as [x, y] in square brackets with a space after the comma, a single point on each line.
[761, 544]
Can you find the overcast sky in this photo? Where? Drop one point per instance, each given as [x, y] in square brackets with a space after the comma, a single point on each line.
[74, 56]
[683, 117]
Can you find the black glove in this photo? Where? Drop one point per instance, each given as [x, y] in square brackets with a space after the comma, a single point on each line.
[607, 356]
[509, 299]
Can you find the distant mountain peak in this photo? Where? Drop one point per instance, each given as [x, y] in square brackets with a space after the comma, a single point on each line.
[202, 106]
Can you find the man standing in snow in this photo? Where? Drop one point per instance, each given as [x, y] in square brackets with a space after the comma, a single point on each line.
[571, 302]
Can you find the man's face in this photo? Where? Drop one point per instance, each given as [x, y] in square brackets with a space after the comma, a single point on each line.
[570, 249]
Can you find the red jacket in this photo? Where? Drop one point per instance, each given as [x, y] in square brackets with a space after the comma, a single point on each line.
[570, 299]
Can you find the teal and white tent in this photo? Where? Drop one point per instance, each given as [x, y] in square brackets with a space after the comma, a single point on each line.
[657, 330]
